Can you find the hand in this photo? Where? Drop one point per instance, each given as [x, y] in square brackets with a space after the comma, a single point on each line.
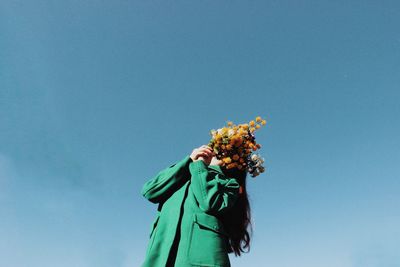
[215, 161]
[204, 153]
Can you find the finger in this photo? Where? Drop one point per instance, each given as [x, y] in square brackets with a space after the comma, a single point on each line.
[210, 154]
[201, 154]
[207, 157]
[206, 148]
[207, 153]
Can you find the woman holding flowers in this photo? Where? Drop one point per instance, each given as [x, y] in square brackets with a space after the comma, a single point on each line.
[203, 209]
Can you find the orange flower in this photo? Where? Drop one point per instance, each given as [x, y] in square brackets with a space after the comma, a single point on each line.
[231, 165]
[232, 141]
[238, 142]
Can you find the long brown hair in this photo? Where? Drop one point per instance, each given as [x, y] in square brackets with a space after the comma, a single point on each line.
[237, 220]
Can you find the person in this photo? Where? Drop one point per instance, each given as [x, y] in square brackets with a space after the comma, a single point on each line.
[203, 213]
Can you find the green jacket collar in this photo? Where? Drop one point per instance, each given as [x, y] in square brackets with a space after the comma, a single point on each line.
[216, 167]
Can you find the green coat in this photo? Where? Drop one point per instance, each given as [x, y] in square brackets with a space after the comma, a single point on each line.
[190, 196]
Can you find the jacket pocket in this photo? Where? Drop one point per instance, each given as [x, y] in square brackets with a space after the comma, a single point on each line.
[207, 242]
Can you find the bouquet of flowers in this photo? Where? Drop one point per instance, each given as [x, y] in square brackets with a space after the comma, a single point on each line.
[235, 144]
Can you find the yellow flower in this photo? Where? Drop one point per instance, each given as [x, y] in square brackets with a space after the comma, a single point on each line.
[264, 122]
[258, 126]
[242, 132]
[258, 119]
[252, 123]
[227, 160]
[230, 123]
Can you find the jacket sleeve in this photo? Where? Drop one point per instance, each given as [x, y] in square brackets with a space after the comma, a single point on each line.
[214, 191]
[166, 182]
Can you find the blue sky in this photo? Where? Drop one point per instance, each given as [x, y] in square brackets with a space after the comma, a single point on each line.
[97, 96]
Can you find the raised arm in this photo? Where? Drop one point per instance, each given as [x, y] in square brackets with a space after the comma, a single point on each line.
[215, 192]
[167, 181]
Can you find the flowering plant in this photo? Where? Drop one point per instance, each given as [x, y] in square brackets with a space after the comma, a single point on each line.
[234, 146]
